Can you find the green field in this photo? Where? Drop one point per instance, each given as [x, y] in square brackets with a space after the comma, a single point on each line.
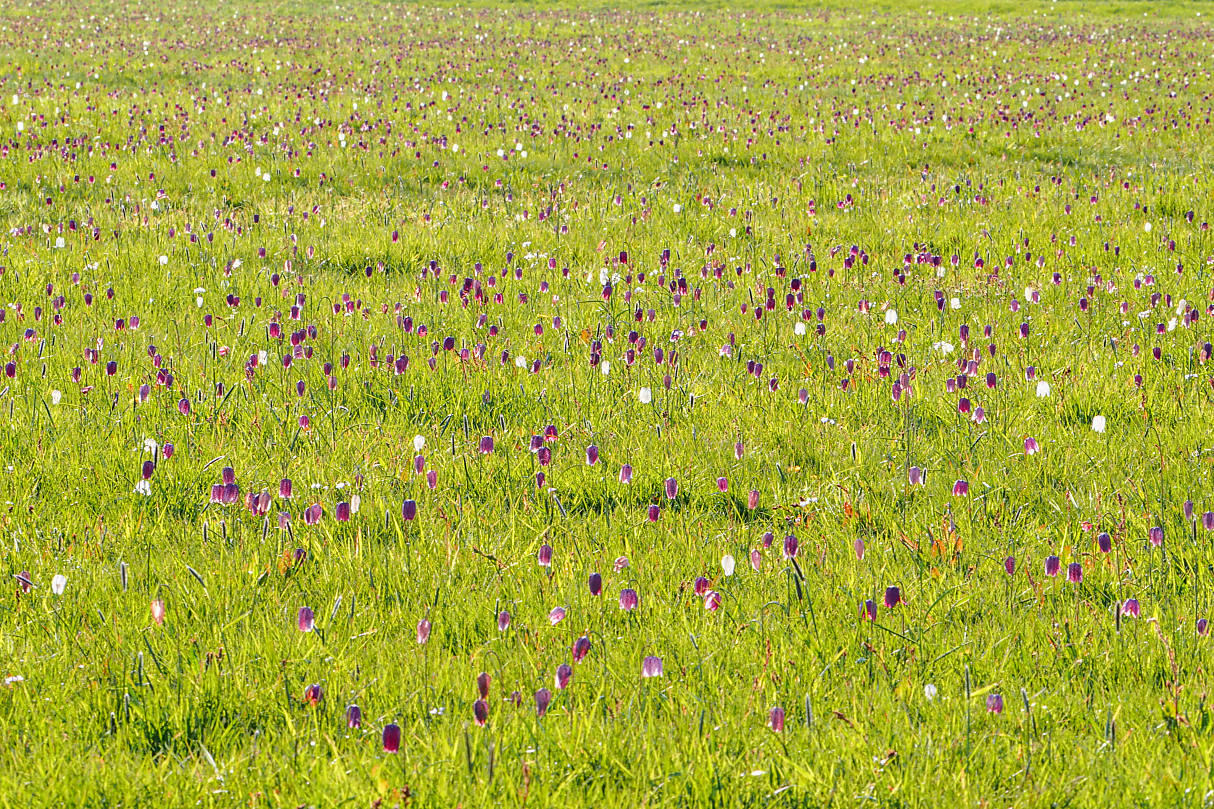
[587, 334]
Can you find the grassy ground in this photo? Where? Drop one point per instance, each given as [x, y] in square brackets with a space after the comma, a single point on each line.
[845, 230]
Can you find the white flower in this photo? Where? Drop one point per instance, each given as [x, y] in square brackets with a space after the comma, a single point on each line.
[419, 442]
[954, 303]
[645, 395]
[144, 487]
[1147, 227]
[13, 678]
[58, 584]
[943, 347]
[677, 207]
[799, 329]
[605, 367]
[1098, 423]
[891, 316]
[198, 301]
[56, 396]
[60, 243]
[1043, 389]
[149, 445]
[163, 260]
[929, 691]
[727, 564]
[355, 502]
[520, 361]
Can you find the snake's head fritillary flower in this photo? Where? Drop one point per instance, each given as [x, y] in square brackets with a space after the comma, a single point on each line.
[391, 738]
[343, 512]
[284, 488]
[712, 601]
[581, 648]
[651, 667]
[775, 719]
[564, 673]
[859, 548]
[1203, 627]
[1155, 535]
[306, 620]
[893, 597]
[790, 547]
[596, 584]
[1130, 608]
[480, 712]
[868, 610]
[408, 510]
[1207, 520]
[994, 703]
[961, 488]
[629, 599]
[313, 694]
[486, 445]
[626, 473]
[701, 585]
[423, 631]
[503, 621]
[544, 557]
[1104, 542]
[756, 560]
[1009, 565]
[752, 499]
[354, 717]
[543, 698]
[915, 476]
[1030, 446]
[58, 584]
[483, 682]
[1052, 565]
[1074, 573]
[654, 512]
[556, 615]
[1188, 510]
[672, 488]
[621, 562]
[592, 455]
[158, 612]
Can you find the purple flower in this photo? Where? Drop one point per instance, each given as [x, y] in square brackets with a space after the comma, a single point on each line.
[354, 717]
[1104, 542]
[544, 557]
[1203, 627]
[564, 674]
[592, 455]
[1155, 535]
[1130, 608]
[503, 621]
[486, 445]
[775, 720]
[313, 694]
[284, 488]
[391, 738]
[859, 547]
[1207, 521]
[722, 484]
[915, 476]
[306, 620]
[626, 473]
[651, 667]
[423, 631]
[961, 488]
[581, 648]
[654, 512]
[343, 512]
[994, 703]
[868, 610]
[629, 599]
[1009, 564]
[1074, 573]
[672, 488]
[752, 500]
[408, 510]
[596, 584]
[712, 601]
[1188, 510]
[893, 597]
[542, 699]
[1052, 565]
[1030, 446]
[556, 615]
[483, 680]
[480, 712]
[790, 547]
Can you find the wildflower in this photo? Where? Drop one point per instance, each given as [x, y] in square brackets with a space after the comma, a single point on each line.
[775, 719]
[994, 703]
[391, 738]
[306, 620]
[651, 667]
[893, 597]
[629, 599]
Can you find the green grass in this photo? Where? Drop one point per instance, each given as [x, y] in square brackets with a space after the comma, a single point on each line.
[727, 135]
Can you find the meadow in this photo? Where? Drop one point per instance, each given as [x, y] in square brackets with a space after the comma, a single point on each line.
[647, 404]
